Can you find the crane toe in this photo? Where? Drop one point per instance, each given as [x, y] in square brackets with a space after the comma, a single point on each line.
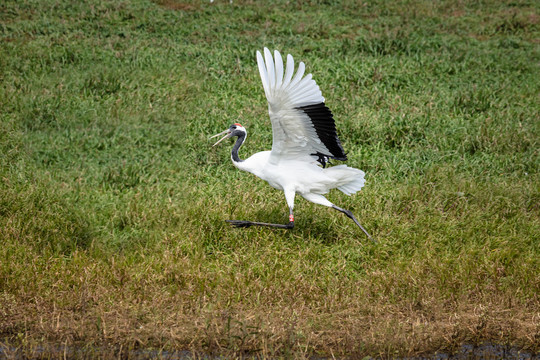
[244, 224]
[351, 216]
[240, 223]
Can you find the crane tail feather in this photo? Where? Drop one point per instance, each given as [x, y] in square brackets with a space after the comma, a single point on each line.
[348, 180]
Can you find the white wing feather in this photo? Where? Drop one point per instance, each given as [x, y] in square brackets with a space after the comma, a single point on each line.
[264, 74]
[294, 135]
[270, 68]
[279, 69]
[289, 71]
[298, 76]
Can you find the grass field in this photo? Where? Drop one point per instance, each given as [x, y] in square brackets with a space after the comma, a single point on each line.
[112, 200]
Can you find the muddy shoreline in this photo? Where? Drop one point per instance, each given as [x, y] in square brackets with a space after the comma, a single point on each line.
[466, 352]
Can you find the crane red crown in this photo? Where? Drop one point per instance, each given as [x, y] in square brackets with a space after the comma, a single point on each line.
[237, 124]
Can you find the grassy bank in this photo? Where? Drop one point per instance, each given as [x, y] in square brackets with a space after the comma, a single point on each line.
[112, 202]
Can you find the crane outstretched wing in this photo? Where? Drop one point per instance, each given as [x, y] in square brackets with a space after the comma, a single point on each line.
[302, 125]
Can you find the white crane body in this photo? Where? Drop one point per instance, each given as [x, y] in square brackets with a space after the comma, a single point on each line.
[301, 176]
[304, 139]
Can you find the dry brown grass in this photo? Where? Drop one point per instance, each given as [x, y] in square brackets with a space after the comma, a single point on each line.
[300, 318]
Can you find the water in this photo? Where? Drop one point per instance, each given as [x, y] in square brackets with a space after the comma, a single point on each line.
[482, 352]
[466, 352]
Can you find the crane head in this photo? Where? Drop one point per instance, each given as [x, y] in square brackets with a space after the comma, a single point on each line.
[233, 130]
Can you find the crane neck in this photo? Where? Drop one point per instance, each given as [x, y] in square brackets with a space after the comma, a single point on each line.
[236, 147]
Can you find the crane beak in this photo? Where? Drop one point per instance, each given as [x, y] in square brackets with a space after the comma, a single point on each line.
[227, 134]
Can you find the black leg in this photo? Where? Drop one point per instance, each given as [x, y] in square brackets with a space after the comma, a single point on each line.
[244, 223]
[351, 216]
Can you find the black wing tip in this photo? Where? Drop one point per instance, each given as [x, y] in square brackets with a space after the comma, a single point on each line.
[323, 159]
[325, 127]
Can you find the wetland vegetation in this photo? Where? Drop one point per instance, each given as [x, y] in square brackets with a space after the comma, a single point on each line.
[112, 201]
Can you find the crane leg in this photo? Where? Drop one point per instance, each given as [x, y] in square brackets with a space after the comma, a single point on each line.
[244, 223]
[289, 196]
[351, 216]
[321, 200]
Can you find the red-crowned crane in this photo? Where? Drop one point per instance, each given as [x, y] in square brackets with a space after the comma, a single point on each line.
[304, 139]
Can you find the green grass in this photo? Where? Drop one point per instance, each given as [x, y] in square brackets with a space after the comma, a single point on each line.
[112, 200]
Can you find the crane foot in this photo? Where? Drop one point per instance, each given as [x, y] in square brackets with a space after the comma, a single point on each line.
[244, 224]
[351, 216]
[240, 223]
